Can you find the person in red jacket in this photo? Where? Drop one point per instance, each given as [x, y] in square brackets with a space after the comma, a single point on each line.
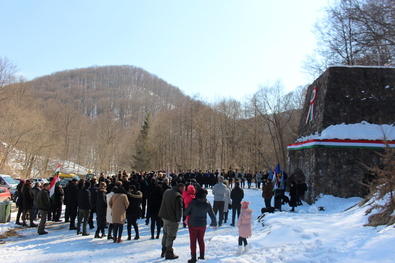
[188, 196]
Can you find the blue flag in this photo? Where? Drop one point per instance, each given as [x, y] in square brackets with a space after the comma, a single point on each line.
[277, 170]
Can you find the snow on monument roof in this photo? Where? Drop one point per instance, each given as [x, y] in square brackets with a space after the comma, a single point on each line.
[356, 131]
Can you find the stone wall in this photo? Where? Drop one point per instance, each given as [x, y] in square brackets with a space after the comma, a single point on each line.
[344, 95]
[351, 95]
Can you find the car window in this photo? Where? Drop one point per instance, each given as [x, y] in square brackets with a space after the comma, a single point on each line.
[10, 180]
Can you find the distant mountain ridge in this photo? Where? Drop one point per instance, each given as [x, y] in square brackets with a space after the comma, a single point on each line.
[129, 92]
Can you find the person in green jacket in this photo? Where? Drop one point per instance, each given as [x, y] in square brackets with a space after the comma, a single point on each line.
[43, 205]
[171, 213]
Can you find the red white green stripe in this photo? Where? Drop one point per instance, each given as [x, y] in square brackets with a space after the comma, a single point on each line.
[54, 181]
[336, 143]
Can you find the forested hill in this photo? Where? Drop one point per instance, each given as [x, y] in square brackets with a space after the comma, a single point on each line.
[129, 92]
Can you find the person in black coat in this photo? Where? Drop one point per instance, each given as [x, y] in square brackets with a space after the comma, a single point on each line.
[84, 207]
[148, 191]
[101, 210]
[19, 201]
[28, 199]
[237, 195]
[133, 212]
[71, 195]
[57, 202]
[143, 185]
[154, 200]
[93, 191]
[293, 193]
[301, 188]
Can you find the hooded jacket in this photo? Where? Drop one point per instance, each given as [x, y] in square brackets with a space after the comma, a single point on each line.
[245, 220]
[188, 195]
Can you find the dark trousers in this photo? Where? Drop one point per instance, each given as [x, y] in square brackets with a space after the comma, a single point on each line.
[19, 214]
[170, 230]
[219, 206]
[197, 234]
[243, 240]
[83, 214]
[56, 211]
[132, 221]
[278, 195]
[155, 220]
[118, 229]
[111, 230]
[30, 212]
[41, 226]
[67, 214]
[267, 203]
[35, 212]
[73, 215]
[235, 210]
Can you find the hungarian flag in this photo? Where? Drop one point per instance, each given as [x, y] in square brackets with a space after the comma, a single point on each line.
[55, 180]
[278, 182]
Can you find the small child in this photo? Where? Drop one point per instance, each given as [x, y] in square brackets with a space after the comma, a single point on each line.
[245, 226]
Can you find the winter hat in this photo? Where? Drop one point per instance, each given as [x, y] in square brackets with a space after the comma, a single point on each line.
[245, 204]
[191, 189]
[220, 178]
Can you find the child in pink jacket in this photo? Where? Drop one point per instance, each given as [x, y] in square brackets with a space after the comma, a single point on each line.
[245, 226]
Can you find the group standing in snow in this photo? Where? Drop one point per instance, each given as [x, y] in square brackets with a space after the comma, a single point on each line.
[164, 200]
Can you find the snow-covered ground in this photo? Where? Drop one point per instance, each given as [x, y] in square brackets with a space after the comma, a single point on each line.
[307, 235]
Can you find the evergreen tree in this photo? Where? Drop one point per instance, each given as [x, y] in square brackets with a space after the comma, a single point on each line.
[143, 147]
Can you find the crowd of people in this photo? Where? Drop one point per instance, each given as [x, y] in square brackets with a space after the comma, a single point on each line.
[163, 200]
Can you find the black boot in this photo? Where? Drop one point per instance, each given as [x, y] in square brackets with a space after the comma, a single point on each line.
[162, 255]
[193, 259]
[201, 256]
[171, 255]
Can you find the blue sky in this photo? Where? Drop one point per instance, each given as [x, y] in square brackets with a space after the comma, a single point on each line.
[214, 48]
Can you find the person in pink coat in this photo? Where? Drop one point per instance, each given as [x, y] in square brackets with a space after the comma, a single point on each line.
[245, 226]
[188, 196]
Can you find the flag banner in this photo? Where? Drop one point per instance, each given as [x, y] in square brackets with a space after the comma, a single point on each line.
[277, 170]
[310, 113]
[336, 143]
[54, 181]
[271, 174]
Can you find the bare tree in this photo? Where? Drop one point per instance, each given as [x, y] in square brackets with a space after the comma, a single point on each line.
[277, 110]
[7, 72]
[354, 32]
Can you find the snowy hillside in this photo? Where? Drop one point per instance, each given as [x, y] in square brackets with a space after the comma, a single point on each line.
[334, 235]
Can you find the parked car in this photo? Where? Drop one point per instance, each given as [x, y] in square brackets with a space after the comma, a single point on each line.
[89, 176]
[13, 191]
[7, 181]
[64, 182]
[40, 180]
[4, 194]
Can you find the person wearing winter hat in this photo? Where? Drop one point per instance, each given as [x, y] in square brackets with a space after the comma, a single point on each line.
[188, 196]
[245, 226]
